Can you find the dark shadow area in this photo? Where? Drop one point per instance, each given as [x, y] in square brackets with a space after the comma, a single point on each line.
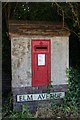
[74, 51]
[6, 60]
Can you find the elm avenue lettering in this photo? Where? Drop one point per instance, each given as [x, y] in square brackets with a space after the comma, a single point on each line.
[34, 97]
[25, 98]
[43, 97]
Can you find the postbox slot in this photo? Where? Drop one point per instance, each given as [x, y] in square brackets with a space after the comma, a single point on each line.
[41, 47]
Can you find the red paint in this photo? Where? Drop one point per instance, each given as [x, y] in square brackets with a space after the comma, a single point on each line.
[41, 65]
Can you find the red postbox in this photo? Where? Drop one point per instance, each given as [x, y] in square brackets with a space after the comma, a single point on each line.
[41, 62]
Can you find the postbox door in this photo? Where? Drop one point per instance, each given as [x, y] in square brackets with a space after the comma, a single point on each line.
[41, 64]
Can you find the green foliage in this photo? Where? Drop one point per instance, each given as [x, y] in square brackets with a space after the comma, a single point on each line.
[8, 112]
[55, 100]
[73, 93]
[49, 87]
[61, 112]
[25, 113]
[20, 115]
[7, 106]
[36, 11]
[44, 111]
[69, 107]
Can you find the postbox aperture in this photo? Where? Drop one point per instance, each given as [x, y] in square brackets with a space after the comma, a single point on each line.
[40, 62]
